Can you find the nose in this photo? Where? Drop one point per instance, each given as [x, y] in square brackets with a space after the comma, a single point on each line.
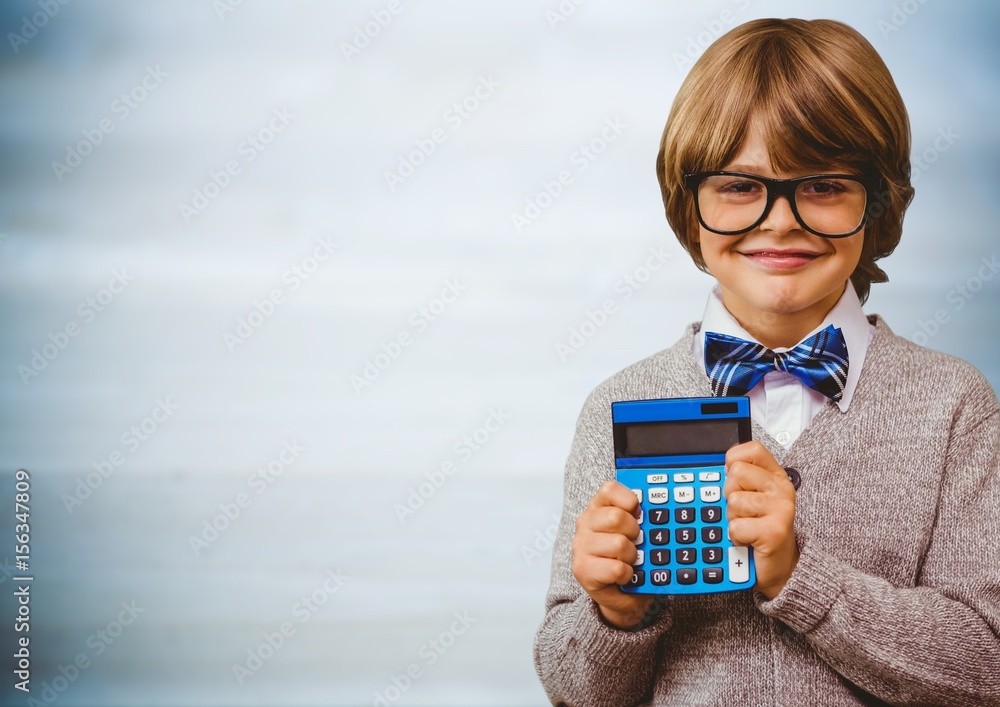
[780, 219]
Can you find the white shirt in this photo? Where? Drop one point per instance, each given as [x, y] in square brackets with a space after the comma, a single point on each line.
[781, 403]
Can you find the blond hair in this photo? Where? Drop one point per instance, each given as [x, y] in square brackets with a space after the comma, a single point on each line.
[820, 94]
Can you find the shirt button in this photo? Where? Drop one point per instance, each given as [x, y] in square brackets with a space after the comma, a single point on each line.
[783, 437]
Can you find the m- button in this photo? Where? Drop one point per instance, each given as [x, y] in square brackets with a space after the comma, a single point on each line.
[683, 494]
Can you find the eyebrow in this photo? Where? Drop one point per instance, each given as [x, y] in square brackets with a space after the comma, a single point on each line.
[805, 170]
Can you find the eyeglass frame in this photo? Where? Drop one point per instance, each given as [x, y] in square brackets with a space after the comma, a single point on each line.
[785, 188]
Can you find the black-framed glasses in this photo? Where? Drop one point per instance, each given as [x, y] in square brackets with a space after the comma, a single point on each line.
[827, 205]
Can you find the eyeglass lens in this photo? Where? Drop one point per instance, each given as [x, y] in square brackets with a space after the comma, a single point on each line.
[827, 205]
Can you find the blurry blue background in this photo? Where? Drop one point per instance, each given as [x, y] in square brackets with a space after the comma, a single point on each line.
[379, 445]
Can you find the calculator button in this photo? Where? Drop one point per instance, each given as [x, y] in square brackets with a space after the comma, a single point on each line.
[659, 557]
[684, 477]
[638, 494]
[656, 479]
[711, 514]
[739, 565]
[709, 476]
[685, 536]
[640, 557]
[711, 534]
[684, 515]
[686, 556]
[658, 536]
[712, 575]
[660, 577]
[711, 555]
[682, 494]
[638, 540]
[687, 576]
[638, 578]
[710, 494]
[639, 519]
[658, 495]
[659, 516]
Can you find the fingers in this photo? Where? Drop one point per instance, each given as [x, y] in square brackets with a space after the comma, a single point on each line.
[613, 509]
[768, 528]
[615, 546]
[603, 548]
[596, 573]
[753, 453]
[612, 493]
[750, 467]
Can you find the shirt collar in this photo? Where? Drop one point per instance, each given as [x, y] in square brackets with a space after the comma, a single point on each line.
[847, 315]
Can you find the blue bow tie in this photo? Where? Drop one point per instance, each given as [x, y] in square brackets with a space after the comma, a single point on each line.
[735, 366]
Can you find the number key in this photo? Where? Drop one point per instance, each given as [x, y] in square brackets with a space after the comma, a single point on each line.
[686, 556]
[685, 536]
[711, 514]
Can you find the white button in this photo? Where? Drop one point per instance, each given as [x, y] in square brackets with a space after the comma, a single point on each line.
[641, 558]
[683, 478]
[638, 540]
[783, 437]
[658, 495]
[656, 479]
[639, 519]
[709, 476]
[683, 494]
[739, 565]
[638, 494]
[710, 494]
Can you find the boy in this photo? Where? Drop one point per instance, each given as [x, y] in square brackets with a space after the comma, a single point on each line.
[784, 169]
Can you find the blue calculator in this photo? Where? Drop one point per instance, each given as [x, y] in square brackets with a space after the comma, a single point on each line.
[671, 454]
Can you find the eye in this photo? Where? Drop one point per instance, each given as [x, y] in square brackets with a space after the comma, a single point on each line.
[825, 187]
[738, 186]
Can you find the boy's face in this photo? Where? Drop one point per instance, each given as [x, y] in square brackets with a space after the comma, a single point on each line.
[778, 278]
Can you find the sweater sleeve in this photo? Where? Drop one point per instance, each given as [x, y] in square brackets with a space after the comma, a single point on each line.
[581, 659]
[937, 643]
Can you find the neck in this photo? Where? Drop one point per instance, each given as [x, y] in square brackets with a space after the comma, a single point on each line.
[780, 329]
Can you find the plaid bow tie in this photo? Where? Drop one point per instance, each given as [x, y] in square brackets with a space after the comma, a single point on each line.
[735, 366]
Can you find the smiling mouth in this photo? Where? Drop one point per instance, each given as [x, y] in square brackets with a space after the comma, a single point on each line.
[780, 259]
[763, 253]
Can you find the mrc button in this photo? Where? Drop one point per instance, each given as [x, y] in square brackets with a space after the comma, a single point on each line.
[658, 495]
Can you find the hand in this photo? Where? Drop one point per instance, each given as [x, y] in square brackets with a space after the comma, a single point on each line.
[761, 511]
[604, 552]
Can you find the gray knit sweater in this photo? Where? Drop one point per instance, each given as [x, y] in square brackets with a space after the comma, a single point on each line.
[896, 595]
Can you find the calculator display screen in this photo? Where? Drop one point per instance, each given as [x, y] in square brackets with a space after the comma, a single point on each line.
[647, 439]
